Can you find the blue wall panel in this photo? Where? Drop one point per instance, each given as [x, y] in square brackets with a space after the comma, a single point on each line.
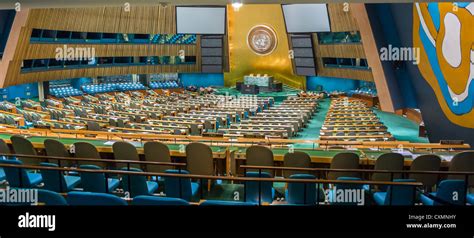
[78, 82]
[331, 84]
[6, 20]
[404, 97]
[378, 22]
[202, 80]
[24, 91]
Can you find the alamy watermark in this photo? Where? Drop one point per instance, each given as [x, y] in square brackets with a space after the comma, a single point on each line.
[19, 195]
[394, 53]
[243, 101]
[346, 195]
[37, 221]
[67, 53]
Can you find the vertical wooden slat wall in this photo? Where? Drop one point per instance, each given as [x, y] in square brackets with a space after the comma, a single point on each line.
[341, 20]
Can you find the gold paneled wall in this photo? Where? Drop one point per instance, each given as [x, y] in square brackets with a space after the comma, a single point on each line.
[140, 20]
[243, 61]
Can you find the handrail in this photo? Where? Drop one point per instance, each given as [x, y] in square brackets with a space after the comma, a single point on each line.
[92, 159]
[241, 166]
[211, 177]
[356, 170]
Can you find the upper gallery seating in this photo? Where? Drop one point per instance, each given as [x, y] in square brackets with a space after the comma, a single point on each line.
[112, 87]
[164, 84]
[68, 91]
[366, 91]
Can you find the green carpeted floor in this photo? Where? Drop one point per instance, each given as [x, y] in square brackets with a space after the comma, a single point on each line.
[311, 132]
[401, 128]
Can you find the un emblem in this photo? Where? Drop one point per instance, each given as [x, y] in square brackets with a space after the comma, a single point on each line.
[262, 40]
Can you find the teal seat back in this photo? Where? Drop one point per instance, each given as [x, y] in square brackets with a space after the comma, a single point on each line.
[297, 193]
[93, 182]
[13, 174]
[452, 191]
[173, 184]
[53, 179]
[134, 184]
[158, 201]
[50, 198]
[252, 188]
[94, 199]
[400, 195]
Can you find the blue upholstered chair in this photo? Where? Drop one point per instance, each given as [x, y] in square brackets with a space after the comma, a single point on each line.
[144, 200]
[470, 198]
[95, 182]
[396, 195]
[50, 198]
[2, 175]
[449, 192]
[227, 203]
[172, 185]
[296, 193]
[94, 199]
[138, 184]
[28, 179]
[267, 192]
[56, 181]
[343, 186]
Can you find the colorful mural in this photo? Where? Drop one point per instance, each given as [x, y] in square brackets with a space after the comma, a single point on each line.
[444, 32]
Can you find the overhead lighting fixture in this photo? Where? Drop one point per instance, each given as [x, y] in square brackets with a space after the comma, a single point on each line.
[236, 4]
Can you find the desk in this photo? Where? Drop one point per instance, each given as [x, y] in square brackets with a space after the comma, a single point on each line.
[369, 99]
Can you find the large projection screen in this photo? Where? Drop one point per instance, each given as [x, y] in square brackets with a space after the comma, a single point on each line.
[200, 20]
[305, 18]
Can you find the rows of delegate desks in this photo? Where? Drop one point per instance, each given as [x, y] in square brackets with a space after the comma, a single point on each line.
[229, 155]
[350, 119]
[154, 113]
[212, 115]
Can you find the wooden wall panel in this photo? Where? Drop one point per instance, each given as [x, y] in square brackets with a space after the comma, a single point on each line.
[341, 50]
[101, 71]
[341, 20]
[140, 19]
[360, 74]
[43, 51]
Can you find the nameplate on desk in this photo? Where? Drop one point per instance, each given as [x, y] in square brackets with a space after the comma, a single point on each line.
[451, 142]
